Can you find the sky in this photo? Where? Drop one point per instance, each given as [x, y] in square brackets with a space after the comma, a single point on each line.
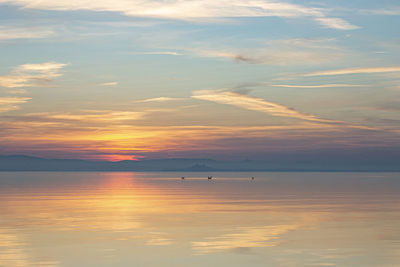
[238, 79]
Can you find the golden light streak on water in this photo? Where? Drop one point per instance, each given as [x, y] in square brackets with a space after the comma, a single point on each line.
[158, 219]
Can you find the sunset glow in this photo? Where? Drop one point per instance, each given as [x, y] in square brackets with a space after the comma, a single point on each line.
[127, 80]
[192, 133]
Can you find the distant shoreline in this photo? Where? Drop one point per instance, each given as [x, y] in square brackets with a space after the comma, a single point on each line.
[15, 163]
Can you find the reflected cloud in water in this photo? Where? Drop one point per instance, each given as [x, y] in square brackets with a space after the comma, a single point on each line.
[154, 219]
[243, 239]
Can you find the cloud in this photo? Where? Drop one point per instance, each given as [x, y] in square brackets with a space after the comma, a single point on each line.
[159, 242]
[159, 99]
[388, 106]
[230, 55]
[83, 135]
[253, 103]
[280, 52]
[11, 103]
[109, 84]
[393, 11]
[316, 86]
[353, 71]
[92, 116]
[168, 53]
[9, 33]
[194, 10]
[336, 23]
[17, 91]
[29, 75]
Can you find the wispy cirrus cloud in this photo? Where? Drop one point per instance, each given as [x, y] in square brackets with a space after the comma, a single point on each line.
[108, 84]
[160, 99]
[11, 103]
[281, 52]
[91, 116]
[254, 103]
[28, 75]
[195, 9]
[167, 53]
[15, 32]
[339, 85]
[389, 11]
[353, 71]
[336, 23]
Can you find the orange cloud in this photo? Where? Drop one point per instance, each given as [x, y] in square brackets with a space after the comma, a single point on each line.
[92, 138]
[90, 116]
[10, 103]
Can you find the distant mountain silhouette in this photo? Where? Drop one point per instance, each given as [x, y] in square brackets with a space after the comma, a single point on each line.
[199, 168]
[28, 163]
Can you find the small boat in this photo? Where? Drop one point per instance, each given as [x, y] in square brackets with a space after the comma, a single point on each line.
[183, 177]
[209, 177]
[252, 178]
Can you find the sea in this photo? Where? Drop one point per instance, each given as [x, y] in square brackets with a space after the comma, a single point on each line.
[185, 219]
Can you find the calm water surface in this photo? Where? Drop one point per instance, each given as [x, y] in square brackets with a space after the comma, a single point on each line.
[157, 219]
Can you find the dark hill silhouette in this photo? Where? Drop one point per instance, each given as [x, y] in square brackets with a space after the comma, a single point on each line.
[273, 163]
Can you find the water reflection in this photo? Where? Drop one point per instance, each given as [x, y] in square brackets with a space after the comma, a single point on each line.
[158, 219]
[244, 238]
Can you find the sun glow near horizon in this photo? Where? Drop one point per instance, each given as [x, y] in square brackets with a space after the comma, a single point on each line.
[197, 79]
